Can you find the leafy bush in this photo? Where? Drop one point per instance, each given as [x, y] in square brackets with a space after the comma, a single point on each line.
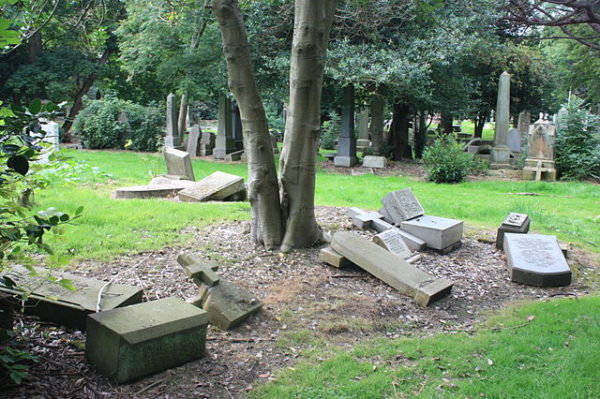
[446, 162]
[113, 123]
[330, 131]
[577, 144]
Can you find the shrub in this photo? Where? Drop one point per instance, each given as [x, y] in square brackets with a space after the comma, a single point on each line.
[577, 144]
[145, 127]
[330, 131]
[446, 162]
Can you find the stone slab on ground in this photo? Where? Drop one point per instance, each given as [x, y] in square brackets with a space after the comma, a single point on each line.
[514, 223]
[162, 180]
[438, 232]
[234, 156]
[390, 268]
[215, 187]
[179, 163]
[227, 304]
[333, 258]
[128, 343]
[363, 219]
[147, 192]
[393, 241]
[57, 304]
[402, 205]
[536, 259]
[373, 161]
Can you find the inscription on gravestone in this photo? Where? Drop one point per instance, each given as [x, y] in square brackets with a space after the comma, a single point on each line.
[393, 242]
[402, 205]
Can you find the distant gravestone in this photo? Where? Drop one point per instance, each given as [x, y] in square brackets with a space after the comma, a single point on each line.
[346, 148]
[390, 268]
[57, 304]
[274, 143]
[172, 138]
[393, 241]
[224, 142]
[536, 259]
[363, 130]
[373, 161]
[402, 205]
[207, 143]
[129, 343]
[539, 163]
[215, 187]
[234, 156]
[439, 233]
[500, 154]
[179, 164]
[524, 122]
[193, 141]
[514, 141]
[514, 223]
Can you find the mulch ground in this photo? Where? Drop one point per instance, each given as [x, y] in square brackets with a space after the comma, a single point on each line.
[305, 301]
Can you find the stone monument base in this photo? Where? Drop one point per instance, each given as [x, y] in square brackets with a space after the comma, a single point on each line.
[345, 161]
[539, 169]
[500, 157]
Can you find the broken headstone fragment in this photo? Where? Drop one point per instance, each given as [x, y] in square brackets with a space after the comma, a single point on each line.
[390, 268]
[439, 233]
[128, 343]
[215, 187]
[202, 271]
[333, 258]
[179, 164]
[148, 192]
[402, 205]
[514, 223]
[393, 241]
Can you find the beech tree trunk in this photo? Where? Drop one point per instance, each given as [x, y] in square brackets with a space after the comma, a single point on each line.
[181, 120]
[312, 25]
[262, 176]
[399, 129]
[420, 130]
[376, 127]
[479, 125]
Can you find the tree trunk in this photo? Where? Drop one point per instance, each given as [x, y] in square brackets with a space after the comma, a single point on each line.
[181, 120]
[479, 125]
[400, 132]
[420, 129]
[262, 176]
[34, 47]
[312, 24]
[446, 123]
[86, 85]
[376, 128]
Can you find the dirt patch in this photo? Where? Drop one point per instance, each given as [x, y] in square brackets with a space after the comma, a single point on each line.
[307, 305]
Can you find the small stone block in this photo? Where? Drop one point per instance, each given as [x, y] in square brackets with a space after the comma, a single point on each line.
[128, 343]
[332, 258]
[214, 187]
[234, 156]
[227, 304]
[518, 223]
[345, 161]
[536, 259]
[179, 163]
[437, 232]
[402, 205]
[373, 161]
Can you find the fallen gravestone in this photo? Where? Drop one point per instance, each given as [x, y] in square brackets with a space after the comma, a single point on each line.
[215, 187]
[179, 164]
[402, 205]
[536, 259]
[234, 156]
[227, 304]
[128, 343]
[147, 192]
[390, 268]
[55, 303]
[393, 241]
[514, 223]
[439, 233]
[332, 258]
[173, 181]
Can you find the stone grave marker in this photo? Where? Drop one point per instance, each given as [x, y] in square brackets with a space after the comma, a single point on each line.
[363, 130]
[172, 138]
[274, 143]
[52, 302]
[439, 233]
[374, 161]
[332, 258]
[390, 268]
[148, 192]
[129, 343]
[193, 139]
[207, 143]
[514, 141]
[500, 154]
[393, 241]
[215, 187]
[179, 164]
[402, 205]
[234, 156]
[171, 180]
[536, 259]
[227, 304]
[514, 223]
[51, 131]
[346, 148]
[539, 163]
[224, 141]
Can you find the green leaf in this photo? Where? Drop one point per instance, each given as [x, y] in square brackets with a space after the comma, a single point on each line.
[79, 211]
[64, 217]
[35, 106]
[19, 163]
[68, 284]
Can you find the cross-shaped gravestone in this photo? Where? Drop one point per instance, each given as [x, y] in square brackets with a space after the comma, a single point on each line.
[202, 271]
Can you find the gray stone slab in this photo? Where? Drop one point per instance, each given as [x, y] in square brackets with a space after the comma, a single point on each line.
[514, 223]
[54, 303]
[362, 219]
[333, 258]
[234, 156]
[201, 270]
[393, 241]
[514, 140]
[439, 233]
[193, 141]
[373, 161]
[131, 342]
[214, 187]
[536, 259]
[148, 192]
[390, 268]
[345, 161]
[179, 164]
[172, 181]
[402, 205]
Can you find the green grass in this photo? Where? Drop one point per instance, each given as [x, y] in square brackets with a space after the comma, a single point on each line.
[542, 350]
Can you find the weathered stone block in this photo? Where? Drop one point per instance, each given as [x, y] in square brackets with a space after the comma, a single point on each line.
[345, 161]
[179, 163]
[393, 241]
[514, 223]
[439, 233]
[402, 205]
[373, 161]
[536, 259]
[332, 258]
[131, 342]
[215, 187]
[147, 192]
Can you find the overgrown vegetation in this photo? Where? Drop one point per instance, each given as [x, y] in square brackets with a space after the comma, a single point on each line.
[330, 131]
[577, 144]
[446, 162]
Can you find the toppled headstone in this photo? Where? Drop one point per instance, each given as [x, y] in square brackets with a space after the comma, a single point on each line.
[146, 192]
[128, 343]
[215, 187]
[234, 156]
[393, 241]
[390, 268]
[179, 164]
[172, 181]
[514, 223]
[439, 233]
[332, 258]
[227, 304]
[374, 161]
[55, 303]
[402, 205]
[536, 259]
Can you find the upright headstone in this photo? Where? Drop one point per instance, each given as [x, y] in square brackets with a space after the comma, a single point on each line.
[561, 117]
[524, 123]
[236, 126]
[539, 163]
[179, 164]
[500, 155]
[346, 151]
[51, 135]
[193, 140]
[514, 141]
[363, 129]
[224, 142]
[374, 161]
[172, 139]
[207, 143]
[274, 143]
